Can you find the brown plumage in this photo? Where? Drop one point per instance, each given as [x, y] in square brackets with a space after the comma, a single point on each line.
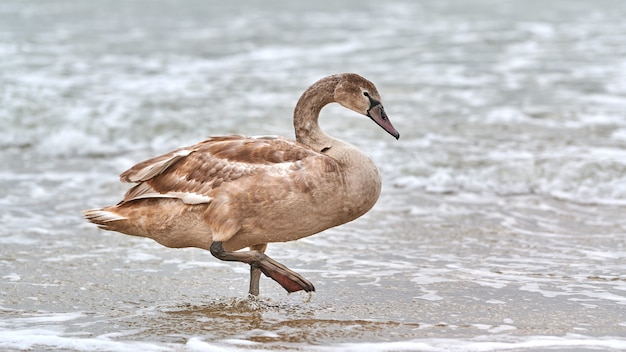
[227, 193]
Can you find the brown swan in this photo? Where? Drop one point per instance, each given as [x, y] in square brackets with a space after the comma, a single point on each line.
[228, 193]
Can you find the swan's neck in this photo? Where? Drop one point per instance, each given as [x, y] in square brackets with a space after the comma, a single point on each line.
[308, 110]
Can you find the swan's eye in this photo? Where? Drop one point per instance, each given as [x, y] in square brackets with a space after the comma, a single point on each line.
[366, 94]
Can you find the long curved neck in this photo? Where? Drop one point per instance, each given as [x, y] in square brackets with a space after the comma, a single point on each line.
[307, 112]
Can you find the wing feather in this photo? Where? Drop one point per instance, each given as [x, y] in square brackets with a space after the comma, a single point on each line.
[193, 173]
[153, 167]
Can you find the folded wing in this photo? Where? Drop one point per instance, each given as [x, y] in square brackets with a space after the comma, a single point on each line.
[193, 173]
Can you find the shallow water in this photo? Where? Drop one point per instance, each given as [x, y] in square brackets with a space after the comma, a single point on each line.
[501, 223]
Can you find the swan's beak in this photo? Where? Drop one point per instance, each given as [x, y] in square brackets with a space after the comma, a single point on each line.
[377, 113]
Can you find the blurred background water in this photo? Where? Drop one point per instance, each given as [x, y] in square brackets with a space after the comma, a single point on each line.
[502, 219]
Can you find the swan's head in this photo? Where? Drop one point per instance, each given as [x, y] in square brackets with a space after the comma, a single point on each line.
[356, 93]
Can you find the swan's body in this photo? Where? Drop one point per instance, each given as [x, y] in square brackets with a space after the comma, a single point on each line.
[228, 193]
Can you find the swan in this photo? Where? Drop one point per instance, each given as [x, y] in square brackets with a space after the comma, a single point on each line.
[232, 192]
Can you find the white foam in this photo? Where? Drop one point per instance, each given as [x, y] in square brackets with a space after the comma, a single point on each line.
[501, 328]
[36, 339]
[200, 264]
[142, 257]
[487, 344]
[75, 142]
[196, 344]
[430, 295]
[49, 318]
[13, 277]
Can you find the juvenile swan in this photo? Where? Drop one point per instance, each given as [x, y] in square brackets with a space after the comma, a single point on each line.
[228, 193]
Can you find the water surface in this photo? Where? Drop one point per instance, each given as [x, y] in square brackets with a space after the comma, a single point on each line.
[501, 222]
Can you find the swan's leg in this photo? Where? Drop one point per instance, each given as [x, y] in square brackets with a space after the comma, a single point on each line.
[288, 279]
[255, 271]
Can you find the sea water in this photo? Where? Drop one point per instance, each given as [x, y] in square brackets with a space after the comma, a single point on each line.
[501, 224]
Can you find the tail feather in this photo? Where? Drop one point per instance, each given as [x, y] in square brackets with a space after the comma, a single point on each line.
[101, 217]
